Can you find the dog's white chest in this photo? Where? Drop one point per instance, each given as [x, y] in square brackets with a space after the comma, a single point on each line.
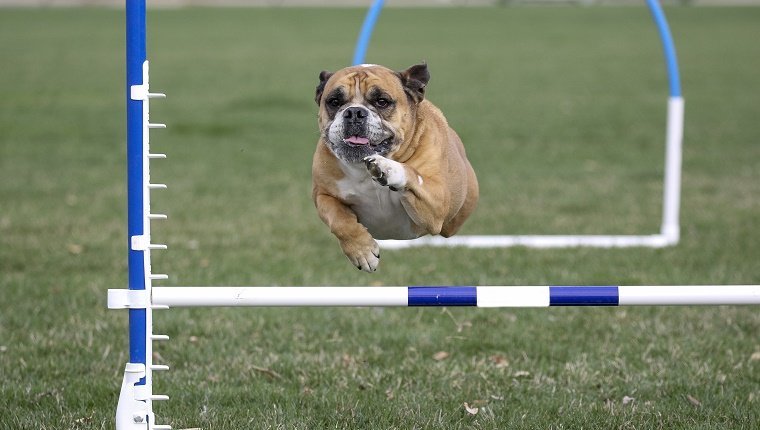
[378, 208]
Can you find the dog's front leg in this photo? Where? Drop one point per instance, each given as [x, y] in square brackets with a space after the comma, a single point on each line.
[356, 242]
[425, 201]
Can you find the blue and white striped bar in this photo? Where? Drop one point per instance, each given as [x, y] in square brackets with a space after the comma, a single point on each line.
[492, 296]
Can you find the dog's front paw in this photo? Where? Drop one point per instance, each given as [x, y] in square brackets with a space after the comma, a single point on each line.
[364, 254]
[386, 172]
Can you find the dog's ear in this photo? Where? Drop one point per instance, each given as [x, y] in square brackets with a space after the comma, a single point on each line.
[414, 80]
[323, 77]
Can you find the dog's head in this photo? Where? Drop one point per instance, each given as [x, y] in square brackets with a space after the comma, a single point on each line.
[369, 109]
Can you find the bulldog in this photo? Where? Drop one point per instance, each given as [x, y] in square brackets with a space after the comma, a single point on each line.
[387, 164]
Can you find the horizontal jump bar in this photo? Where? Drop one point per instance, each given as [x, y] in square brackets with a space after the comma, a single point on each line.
[491, 296]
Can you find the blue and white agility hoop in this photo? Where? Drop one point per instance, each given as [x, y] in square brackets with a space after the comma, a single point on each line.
[670, 226]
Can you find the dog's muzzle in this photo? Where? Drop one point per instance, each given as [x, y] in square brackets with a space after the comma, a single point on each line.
[356, 133]
[355, 126]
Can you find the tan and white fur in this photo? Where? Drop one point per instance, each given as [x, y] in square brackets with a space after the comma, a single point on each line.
[387, 164]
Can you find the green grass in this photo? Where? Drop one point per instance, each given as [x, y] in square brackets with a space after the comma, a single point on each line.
[562, 111]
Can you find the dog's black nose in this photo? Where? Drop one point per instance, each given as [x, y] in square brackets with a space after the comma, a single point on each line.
[355, 113]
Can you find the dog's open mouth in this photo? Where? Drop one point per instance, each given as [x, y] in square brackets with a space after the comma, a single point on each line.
[355, 147]
[356, 141]
[359, 141]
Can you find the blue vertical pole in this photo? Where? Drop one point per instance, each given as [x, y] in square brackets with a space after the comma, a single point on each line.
[135, 10]
[360, 52]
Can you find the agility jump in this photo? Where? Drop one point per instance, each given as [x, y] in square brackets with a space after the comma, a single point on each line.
[135, 407]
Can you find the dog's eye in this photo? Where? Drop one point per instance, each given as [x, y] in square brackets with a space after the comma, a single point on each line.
[333, 102]
[382, 103]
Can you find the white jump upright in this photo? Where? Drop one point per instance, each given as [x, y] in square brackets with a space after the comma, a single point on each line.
[135, 408]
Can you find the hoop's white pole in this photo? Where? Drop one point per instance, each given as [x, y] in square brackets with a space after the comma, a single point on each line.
[671, 199]
[488, 296]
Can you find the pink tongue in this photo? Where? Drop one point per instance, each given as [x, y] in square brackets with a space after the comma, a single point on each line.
[356, 140]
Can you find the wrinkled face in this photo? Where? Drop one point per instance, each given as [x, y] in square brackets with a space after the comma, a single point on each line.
[364, 110]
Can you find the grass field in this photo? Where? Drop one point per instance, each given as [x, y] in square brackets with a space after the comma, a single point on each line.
[563, 114]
